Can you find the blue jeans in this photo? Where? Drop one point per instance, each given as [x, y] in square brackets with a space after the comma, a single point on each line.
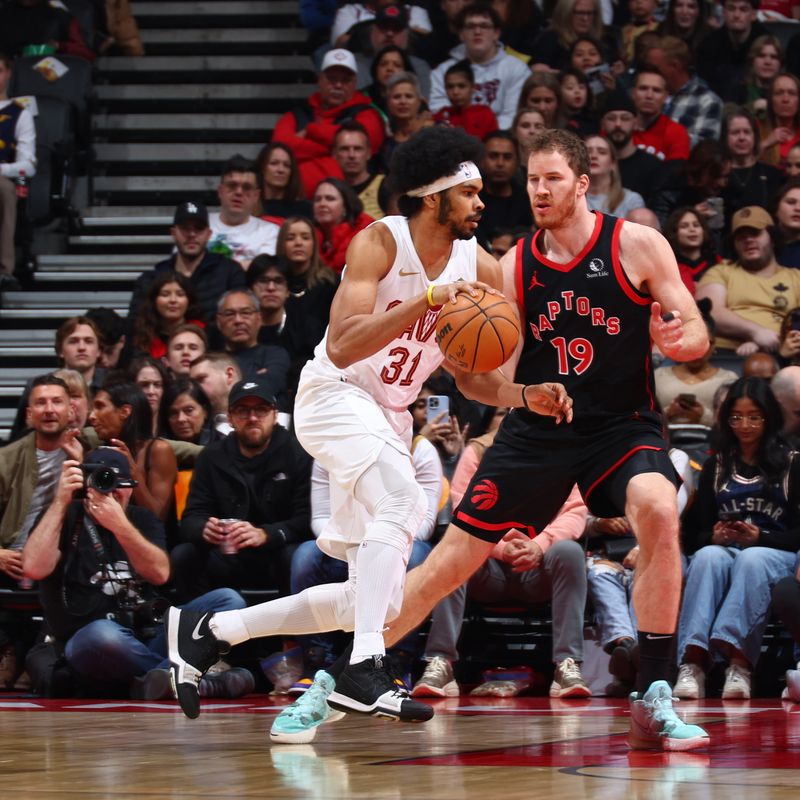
[611, 591]
[312, 567]
[727, 597]
[106, 651]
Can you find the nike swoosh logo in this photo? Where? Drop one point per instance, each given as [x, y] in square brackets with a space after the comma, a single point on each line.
[196, 632]
[404, 274]
[653, 638]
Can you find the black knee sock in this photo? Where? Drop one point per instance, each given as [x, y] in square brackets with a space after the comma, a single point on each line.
[338, 666]
[655, 657]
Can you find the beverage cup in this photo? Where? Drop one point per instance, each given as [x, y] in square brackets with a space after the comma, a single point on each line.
[227, 546]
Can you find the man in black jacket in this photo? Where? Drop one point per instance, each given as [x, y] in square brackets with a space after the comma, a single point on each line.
[249, 502]
[211, 274]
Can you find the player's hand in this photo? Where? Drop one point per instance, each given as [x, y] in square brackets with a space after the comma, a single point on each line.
[667, 334]
[447, 292]
[549, 400]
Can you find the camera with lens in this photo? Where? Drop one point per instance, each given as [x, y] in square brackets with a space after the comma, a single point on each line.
[103, 479]
[145, 617]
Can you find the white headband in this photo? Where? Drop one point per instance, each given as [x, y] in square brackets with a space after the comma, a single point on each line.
[466, 171]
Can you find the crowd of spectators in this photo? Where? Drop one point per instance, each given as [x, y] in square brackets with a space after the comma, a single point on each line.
[691, 117]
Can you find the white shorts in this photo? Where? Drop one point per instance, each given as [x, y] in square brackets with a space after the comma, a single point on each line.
[344, 428]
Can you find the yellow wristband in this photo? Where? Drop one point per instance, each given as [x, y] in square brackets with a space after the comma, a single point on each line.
[430, 297]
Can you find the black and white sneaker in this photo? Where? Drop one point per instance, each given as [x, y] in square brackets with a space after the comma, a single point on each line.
[193, 648]
[367, 688]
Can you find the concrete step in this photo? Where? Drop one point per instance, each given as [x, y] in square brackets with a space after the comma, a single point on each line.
[228, 36]
[165, 152]
[188, 185]
[89, 277]
[129, 211]
[184, 122]
[202, 64]
[57, 305]
[35, 342]
[196, 8]
[14, 379]
[161, 221]
[123, 239]
[179, 91]
[92, 261]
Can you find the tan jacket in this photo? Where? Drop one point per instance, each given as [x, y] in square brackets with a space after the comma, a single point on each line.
[19, 473]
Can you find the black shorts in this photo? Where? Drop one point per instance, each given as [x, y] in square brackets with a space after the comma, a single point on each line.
[522, 482]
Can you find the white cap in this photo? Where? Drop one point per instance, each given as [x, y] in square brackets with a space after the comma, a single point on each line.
[339, 58]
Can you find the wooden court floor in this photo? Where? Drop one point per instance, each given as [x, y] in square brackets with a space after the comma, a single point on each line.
[474, 748]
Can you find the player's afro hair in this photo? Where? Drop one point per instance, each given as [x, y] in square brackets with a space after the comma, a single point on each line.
[429, 155]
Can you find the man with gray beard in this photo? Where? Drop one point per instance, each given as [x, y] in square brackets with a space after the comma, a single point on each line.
[752, 296]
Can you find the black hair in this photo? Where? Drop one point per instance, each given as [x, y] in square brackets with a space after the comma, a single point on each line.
[771, 457]
[48, 379]
[462, 67]
[147, 323]
[181, 386]
[110, 324]
[261, 264]
[389, 48]
[430, 154]
[704, 305]
[137, 428]
[479, 9]
[239, 163]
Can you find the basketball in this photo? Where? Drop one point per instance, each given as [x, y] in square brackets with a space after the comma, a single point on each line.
[477, 334]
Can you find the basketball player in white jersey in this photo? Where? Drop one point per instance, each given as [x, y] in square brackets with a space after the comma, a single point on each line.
[351, 415]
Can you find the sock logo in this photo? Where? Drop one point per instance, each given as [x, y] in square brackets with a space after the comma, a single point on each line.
[484, 495]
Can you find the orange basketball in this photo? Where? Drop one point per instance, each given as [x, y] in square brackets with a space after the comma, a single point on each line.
[477, 334]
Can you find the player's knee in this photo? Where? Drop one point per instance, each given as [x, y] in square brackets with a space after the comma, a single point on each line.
[398, 516]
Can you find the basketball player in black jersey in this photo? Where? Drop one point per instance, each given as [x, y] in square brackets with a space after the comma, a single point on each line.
[590, 290]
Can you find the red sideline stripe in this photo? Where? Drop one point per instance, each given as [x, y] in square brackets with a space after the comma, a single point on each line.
[495, 526]
[615, 466]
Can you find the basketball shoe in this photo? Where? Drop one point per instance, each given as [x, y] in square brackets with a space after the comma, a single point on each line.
[792, 690]
[656, 726]
[437, 680]
[367, 688]
[298, 723]
[193, 648]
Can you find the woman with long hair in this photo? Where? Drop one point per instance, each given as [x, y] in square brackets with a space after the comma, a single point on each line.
[312, 283]
[122, 419]
[780, 130]
[406, 110]
[688, 20]
[764, 61]
[606, 192]
[542, 92]
[338, 217]
[785, 208]
[571, 19]
[387, 62]
[281, 187]
[171, 301]
[750, 182]
[527, 125]
[743, 535]
[152, 377]
[577, 102]
[186, 413]
[692, 242]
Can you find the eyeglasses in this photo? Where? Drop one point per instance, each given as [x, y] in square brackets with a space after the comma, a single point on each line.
[479, 26]
[753, 420]
[243, 413]
[276, 281]
[230, 313]
[232, 186]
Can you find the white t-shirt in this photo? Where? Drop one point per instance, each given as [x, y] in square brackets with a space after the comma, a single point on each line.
[243, 242]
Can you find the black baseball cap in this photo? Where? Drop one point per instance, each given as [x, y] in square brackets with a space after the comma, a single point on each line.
[392, 15]
[252, 387]
[111, 459]
[191, 212]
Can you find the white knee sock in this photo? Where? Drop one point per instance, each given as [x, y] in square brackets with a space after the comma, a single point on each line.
[381, 574]
[320, 608]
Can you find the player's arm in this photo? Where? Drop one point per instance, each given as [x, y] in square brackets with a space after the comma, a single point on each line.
[356, 329]
[498, 388]
[650, 263]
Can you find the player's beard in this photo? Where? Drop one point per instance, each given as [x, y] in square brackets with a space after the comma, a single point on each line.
[445, 218]
[559, 213]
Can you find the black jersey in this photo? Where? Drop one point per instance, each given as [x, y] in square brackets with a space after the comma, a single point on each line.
[586, 326]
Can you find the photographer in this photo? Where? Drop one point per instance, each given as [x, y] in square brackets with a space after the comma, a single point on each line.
[98, 560]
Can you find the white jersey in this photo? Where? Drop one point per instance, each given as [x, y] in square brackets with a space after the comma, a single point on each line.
[394, 375]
